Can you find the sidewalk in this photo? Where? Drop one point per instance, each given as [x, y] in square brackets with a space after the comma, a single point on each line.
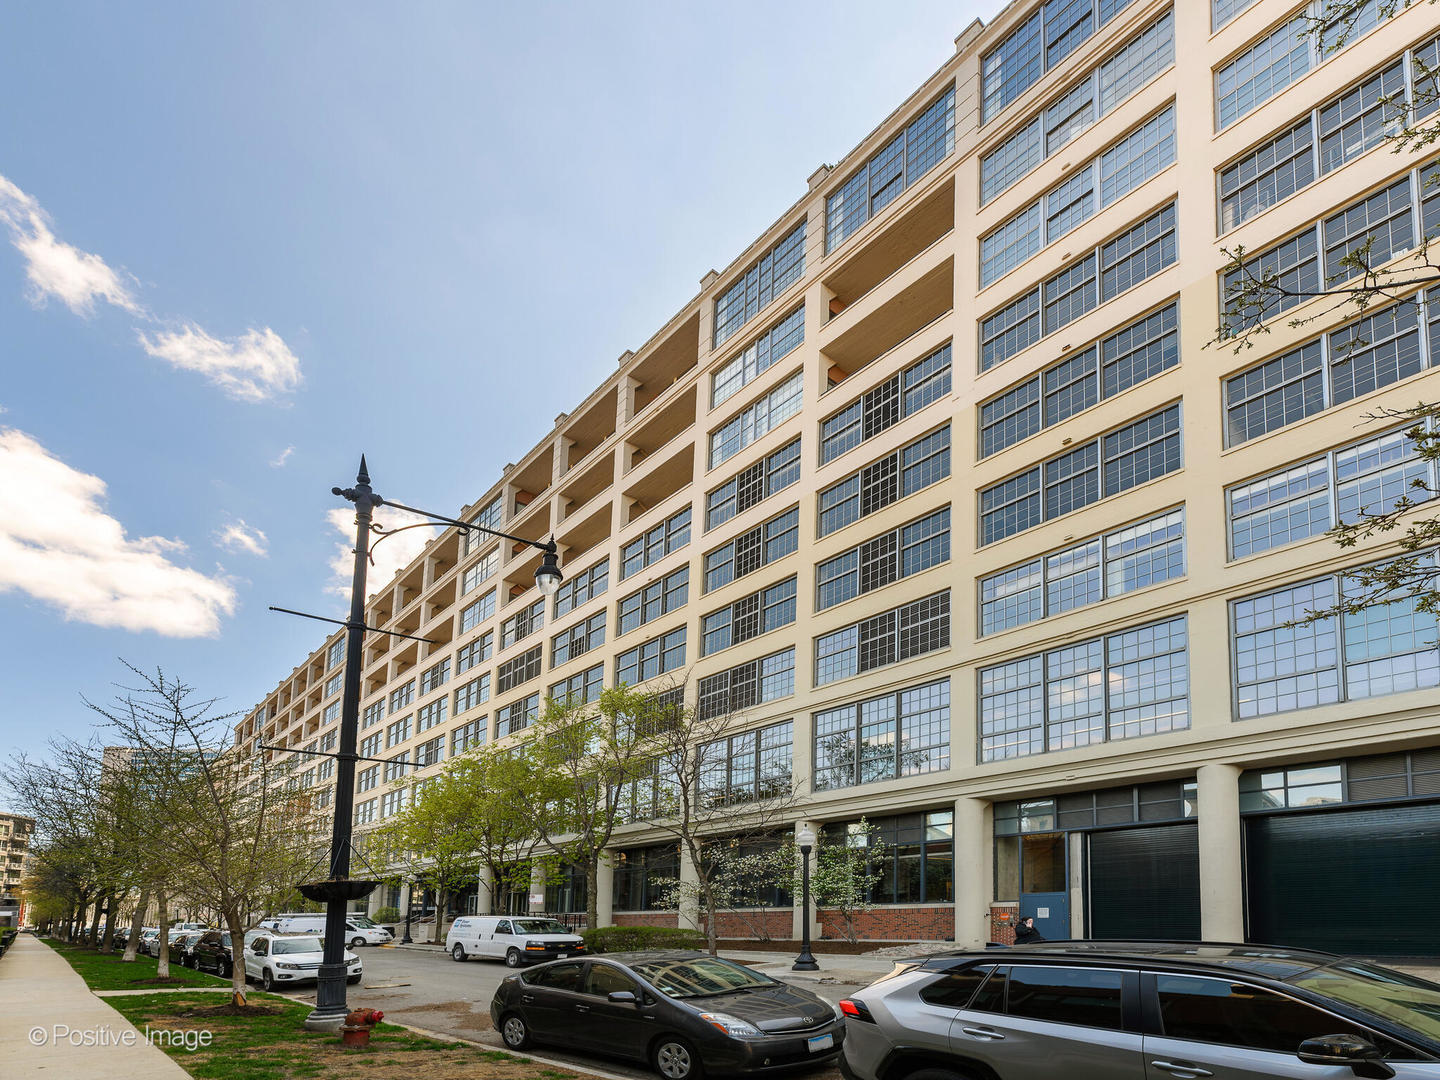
[43, 995]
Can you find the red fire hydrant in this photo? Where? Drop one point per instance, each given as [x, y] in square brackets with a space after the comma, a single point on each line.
[358, 1023]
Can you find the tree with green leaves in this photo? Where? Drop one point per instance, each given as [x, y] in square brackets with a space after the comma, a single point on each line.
[847, 867]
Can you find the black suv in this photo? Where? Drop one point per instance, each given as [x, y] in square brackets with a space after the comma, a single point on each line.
[212, 953]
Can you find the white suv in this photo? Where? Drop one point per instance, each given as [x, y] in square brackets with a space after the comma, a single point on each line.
[282, 959]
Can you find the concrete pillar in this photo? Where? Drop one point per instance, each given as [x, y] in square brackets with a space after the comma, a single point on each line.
[798, 913]
[604, 891]
[689, 904]
[1222, 912]
[974, 872]
[537, 888]
[1076, 883]
[404, 907]
[485, 892]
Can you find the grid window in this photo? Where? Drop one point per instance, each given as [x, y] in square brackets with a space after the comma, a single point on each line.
[906, 733]
[661, 597]
[1222, 11]
[432, 678]
[1272, 171]
[479, 572]
[491, 517]
[748, 617]
[336, 653]
[396, 767]
[430, 753]
[1374, 230]
[757, 420]
[1137, 157]
[1273, 394]
[402, 696]
[522, 624]
[746, 686]
[902, 395]
[1262, 71]
[397, 732]
[1360, 118]
[1010, 417]
[926, 141]
[469, 734]
[473, 694]
[1021, 152]
[903, 472]
[1010, 245]
[757, 547]
[331, 713]
[1375, 351]
[651, 658]
[333, 684]
[370, 745]
[884, 559]
[518, 669]
[758, 357]
[475, 653]
[581, 688]
[475, 613]
[913, 629]
[1292, 267]
[368, 779]
[582, 587]
[748, 767]
[517, 716]
[431, 715]
[1127, 684]
[754, 484]
[1068, 204]
[765, 279]
[669, 536]
[1137, 62]
[578, 640]
[1138, 253]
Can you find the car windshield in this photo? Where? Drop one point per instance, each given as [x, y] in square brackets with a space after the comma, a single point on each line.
[539, 926]
[700, 977]
[1398, 997]
[362, 923]
[281, 946]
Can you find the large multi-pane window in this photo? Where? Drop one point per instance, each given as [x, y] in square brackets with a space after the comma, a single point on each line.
[582, 687]
[1118, 264]
[1125, 71]
[370, 745]
[657, 656]
[476, 612]
[903, 394]
[431, 715]
[1131, 683]
[765, 279]
[926, 141]
[752, 549]
[904, 733]
[490, 517]
[1116, 362]
[757, 420]
[396, 767]
[1107, 177]
[365, 812]
[397, 732]
[480, 571]
[918, 861]
[430, 753]
[900, 473]
[333, 684]
[1096, 569]
[331, 713]
[374, 713]
[909, 630]
[516, 716]
[661, 597]
[578, 640]
[1222, 11]
[748, 767]
[336, 653]
[434, 677]
[657, 542]
[758, 357]
[475, 652]
[748, 617]
[519, 669]
[1314, 496]
[469, 734]
[1284, 660]
[1117, 461]
[1052, 33]
[1262, 70]
[773, 473]
[884, 559]
[522, 624]
[367, 779]
[746, 685]
[473, 694]
[1362, 356]
[402, 696]
[582, 587]
[640, 875]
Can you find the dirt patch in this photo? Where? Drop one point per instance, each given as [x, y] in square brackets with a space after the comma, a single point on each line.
[475, 1014]
[438, 1065]
[168, 980]
[236, 1010]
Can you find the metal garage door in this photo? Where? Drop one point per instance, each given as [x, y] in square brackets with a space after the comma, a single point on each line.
[1349, 881]
[1145, 883]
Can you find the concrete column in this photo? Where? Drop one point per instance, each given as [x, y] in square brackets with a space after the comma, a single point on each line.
[974, 872]
[485, 892]
[404, 907]
[798, 913]
[1076, 883]
[689, 905]
[1222, 912]
[604, 891]
[537, 888]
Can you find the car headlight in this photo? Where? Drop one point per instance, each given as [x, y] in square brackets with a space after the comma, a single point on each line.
[732, 1025]
[353, 960]
[284, 964]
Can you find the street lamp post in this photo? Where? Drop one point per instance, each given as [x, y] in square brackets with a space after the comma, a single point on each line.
[805, 962]
[409, 908]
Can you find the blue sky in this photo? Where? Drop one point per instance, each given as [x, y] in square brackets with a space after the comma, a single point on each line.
[239, 244]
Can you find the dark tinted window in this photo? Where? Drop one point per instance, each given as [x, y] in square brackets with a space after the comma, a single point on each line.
[604, 979]
[1234, 1014]
[1066, 995]
[503, 927]
[991, 997]
[955, 990]
[560, 976]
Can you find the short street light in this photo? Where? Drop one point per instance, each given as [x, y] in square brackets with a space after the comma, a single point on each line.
[547, 574]
[805, 962]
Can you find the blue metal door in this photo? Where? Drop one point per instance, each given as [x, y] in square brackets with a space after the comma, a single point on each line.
[1051, 912]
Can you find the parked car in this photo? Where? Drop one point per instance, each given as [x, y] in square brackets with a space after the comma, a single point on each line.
[121, 937]
[516, 940]
[211, 952]
[148, 936]
[685, 1013]
[1143, 1011]
[183, 947]
[359, 930]
[283, 959]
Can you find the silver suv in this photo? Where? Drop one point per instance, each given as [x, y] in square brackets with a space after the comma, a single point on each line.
[1142, 1011]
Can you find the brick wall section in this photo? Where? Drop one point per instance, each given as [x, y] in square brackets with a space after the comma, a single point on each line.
[645, 918]
[775, 922]
[895, 924]
[1002, 922]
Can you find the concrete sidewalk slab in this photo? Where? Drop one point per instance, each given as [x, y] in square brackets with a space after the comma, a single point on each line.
[55, 1027]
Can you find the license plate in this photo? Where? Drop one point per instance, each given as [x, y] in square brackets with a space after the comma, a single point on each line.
[561, 955]
[820, 1042]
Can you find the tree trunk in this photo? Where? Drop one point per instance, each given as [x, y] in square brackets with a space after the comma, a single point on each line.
[132, 943]
[592, 901]
[711, 931]
[95, 922]
[237, 957]
[112, 902]
[162, 967]
[437, 937]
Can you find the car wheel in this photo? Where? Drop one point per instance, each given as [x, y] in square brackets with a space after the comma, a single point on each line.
[515, 1032]
[675, 1059]
[226, 967]
[458, 953]
[267, 980]
[357, 942]
[512, 958]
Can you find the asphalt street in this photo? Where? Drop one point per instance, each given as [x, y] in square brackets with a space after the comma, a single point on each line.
[429, 990]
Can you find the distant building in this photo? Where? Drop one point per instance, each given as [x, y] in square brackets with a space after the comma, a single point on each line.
[16, 832]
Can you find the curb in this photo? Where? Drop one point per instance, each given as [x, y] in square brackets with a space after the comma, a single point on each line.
[502, 1050]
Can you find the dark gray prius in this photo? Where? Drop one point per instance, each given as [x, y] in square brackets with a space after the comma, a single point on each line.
[686, 1013]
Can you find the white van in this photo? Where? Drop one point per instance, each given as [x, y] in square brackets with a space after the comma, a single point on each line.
[358, 929]
[516, 939]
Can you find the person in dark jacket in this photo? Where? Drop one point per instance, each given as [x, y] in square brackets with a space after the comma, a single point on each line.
[1025, 933]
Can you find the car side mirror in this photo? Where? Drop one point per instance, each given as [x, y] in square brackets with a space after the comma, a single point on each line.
[623, 997]
[1363, 1056]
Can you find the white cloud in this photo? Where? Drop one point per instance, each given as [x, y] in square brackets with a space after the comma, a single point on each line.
[54, 268]
[239, 537]
[256, 366]
[390, 557]
[278, 462]
[58, 545]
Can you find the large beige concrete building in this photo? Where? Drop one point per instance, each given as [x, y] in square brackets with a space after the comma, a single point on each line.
[16, 832]
[941, 488]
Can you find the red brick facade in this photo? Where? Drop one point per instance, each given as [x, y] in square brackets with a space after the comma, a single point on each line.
[774, 922]
[1002, 922]
[900, 923]
[645, 918]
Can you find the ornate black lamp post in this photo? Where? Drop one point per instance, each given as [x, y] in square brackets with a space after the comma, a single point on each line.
[409, 908]
[805, 962]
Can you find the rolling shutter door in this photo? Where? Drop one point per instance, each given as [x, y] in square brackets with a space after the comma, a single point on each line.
[1145, 883]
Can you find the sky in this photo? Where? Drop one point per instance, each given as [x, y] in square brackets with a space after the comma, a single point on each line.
[242, 244]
